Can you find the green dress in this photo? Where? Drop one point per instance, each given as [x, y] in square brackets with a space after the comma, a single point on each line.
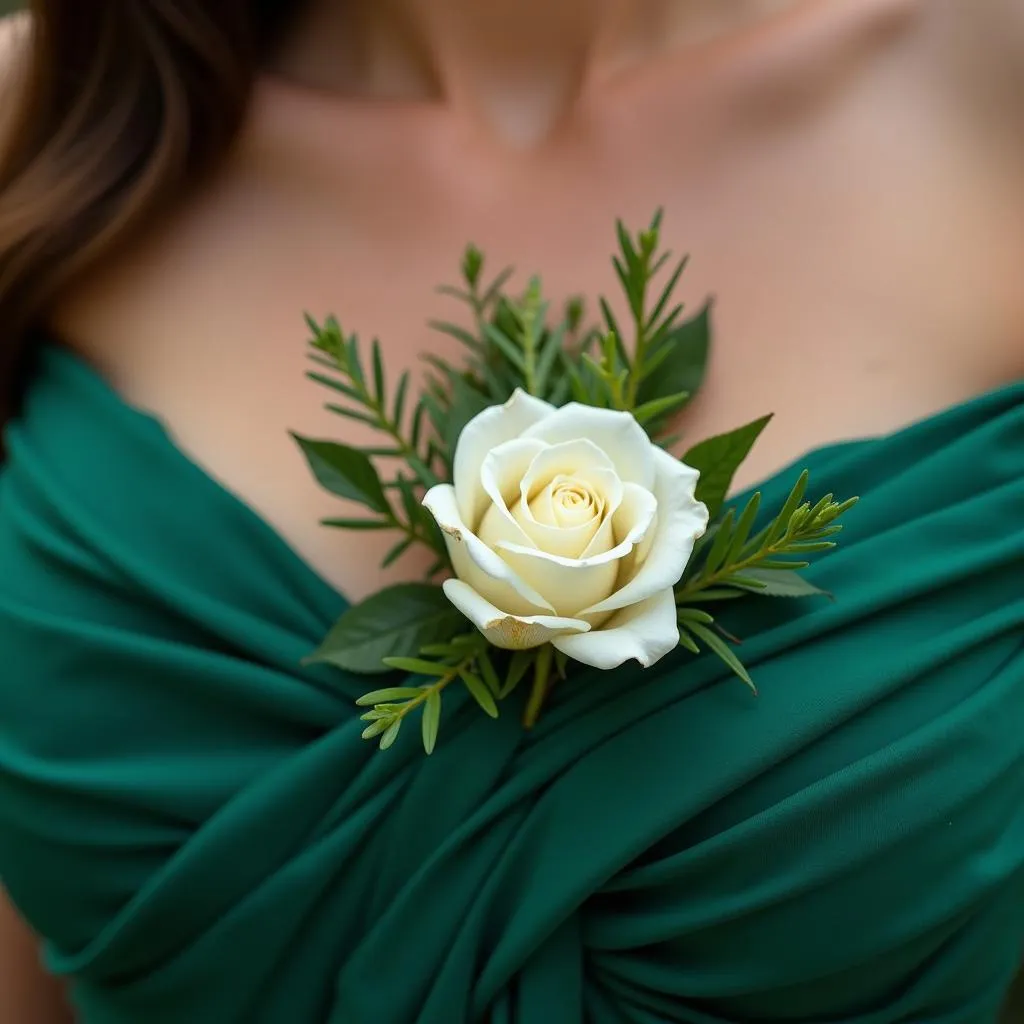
[192, 822]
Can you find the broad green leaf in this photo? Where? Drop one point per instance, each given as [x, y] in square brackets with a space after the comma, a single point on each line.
[431, 720]
[344, 471]
[781, 583]
[467, 403]
[395, 622]
[684, 369]
[717, 460]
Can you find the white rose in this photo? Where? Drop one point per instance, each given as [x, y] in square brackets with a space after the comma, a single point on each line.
[568, 526]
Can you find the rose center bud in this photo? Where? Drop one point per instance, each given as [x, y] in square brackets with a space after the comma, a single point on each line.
[573, 504]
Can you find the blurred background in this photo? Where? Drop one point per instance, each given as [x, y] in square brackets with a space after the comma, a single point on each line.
[6, 6]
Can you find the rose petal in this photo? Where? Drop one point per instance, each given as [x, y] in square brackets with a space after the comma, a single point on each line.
[474, 562]
[511, 632]
[564, 459]
[487, 430]
[638, 513]
[681, 520]
[643, 632]
[631, 520]
[568, 584]
[572, 542]
[500, 475]
[616, 434]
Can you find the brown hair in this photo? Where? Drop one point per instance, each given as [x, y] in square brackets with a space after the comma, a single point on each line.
[118, 108]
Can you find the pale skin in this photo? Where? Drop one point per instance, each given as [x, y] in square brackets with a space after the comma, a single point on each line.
[848, 176]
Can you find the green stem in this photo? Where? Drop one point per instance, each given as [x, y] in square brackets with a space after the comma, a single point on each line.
[449, 677]
[640, 354]
[529, 315]
[541, 686]
[698, 582]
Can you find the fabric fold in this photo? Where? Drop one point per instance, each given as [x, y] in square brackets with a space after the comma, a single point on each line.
[191, 820]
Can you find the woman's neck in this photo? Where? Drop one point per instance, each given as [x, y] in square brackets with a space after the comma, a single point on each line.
[516, 66]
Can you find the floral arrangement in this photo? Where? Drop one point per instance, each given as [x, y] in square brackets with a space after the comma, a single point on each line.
[543, 476]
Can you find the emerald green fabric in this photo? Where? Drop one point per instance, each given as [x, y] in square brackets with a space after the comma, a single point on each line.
[193, 823]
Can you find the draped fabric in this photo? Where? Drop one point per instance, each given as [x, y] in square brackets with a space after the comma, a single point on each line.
[192, 822]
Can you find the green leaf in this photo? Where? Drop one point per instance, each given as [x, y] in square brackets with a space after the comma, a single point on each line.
[781, 583]
[397, 621]
[561, 664]
[400, 392]
[667, 292]
[685, 368]
[481, 693]
[695, 615]
[496, 285]
[717, 460]
[345, 471]
[396, 552]
[431, 720]
[467, 403]
[721, 544]
[685, 640]
[391, 735]
[549, 353]
[517, 669]
[659, 408]
[722, 649]
[506, 346]
[417, 666]
[333, 382]
[779, 527]
[609, 320]
[743, 528]
[487, 671]
[472, 264]
[387, 695]
[712, 594]
[416, 429]
[378, 374]
[359, 524]
[353, 414]
[377, 727]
